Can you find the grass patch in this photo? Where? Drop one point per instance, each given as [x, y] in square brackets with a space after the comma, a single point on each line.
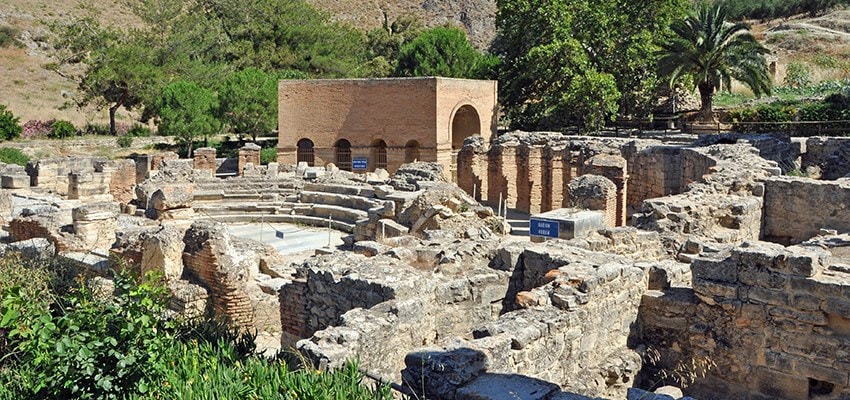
[11, 155]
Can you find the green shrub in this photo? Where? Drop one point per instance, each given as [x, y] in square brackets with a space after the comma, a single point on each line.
[798, 75]
[9, 127]
[96, 129]
[139, 131]
[62, 130]
[83, 346]
[268, 155]
[10, 155]
[124, 141]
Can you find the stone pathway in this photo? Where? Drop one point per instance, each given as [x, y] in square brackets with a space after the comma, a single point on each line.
[296, 239]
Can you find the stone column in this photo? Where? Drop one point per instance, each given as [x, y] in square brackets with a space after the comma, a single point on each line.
[536, 188]
[96, 224]
[204, 160]
[248, 154]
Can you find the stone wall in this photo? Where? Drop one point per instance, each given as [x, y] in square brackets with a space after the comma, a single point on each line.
[229, 268]
[796, 209]
[576, 311]
[830, 157]
[380, 308]
[773, 321]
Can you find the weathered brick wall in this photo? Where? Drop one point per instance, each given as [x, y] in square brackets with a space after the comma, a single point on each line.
[796, 209]
[208, 261]
[250, 154]
[773, 320]
[25, 228]
[204, 160]
[294, 314]
[122, 179]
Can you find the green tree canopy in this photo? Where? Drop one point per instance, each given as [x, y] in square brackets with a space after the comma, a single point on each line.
[285, 34]
[442, 51]
[556, 52]
[9, 127]
[186, 111]
[709, 51]
[249, 102]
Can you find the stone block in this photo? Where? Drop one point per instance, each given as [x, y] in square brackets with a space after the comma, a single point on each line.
[172, 196]
[96, 211]
[780, 385]
[439, 373]
[573, 223]
[506, 387]
[837, 307]
[715, 289]
[388, 228]
[163, 252]
[767, 296]
[714, 270]
[822, 373]
[14, 181]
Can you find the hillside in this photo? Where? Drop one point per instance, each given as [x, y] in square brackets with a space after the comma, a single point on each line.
[34, 93]
[477, 17]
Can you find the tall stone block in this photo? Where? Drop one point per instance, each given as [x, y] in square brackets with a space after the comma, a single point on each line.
[248, 154]
[204, 160]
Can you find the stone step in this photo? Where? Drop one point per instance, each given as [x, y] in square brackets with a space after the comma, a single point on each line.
[286, 218]
[338, 213]
[343, 200]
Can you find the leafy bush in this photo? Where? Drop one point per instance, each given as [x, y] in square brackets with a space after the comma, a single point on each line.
[34, 129]
[103, 129]
[139, 131]
[798, 75]
[9, 128]
[62, 130]
[10, 155]
[124, 141]
[268, 155]
[84, 346]
[767, 9]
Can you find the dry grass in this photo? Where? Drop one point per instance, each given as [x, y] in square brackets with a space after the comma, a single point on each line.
[30, 91]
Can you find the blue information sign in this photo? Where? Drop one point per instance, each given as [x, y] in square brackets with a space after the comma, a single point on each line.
[360, 163]
[543, 228]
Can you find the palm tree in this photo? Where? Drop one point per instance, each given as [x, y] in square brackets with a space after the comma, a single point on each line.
[711, 52]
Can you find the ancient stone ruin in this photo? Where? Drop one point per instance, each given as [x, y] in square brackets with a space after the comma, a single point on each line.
[705, 269]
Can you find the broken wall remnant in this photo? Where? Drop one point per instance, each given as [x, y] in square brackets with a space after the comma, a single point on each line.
[248, 154]
[204, 160]
[772, 319]
[96, 224]
[594, 192]
[827, 157]
[229, 268]
[796, 209]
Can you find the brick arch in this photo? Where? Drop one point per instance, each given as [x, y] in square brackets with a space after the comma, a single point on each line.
[465, 122]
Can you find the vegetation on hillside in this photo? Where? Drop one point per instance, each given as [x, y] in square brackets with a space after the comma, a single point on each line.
[64, 338]
[770, 9]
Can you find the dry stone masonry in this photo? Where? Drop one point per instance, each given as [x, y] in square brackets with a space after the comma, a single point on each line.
[704, 268]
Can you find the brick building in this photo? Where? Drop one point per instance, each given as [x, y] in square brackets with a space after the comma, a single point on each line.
[364, 124]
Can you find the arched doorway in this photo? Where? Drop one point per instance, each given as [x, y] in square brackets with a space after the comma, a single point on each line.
[411, 151]
[305, 152]
[464, 124]
[342, 154]
[379, 153]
